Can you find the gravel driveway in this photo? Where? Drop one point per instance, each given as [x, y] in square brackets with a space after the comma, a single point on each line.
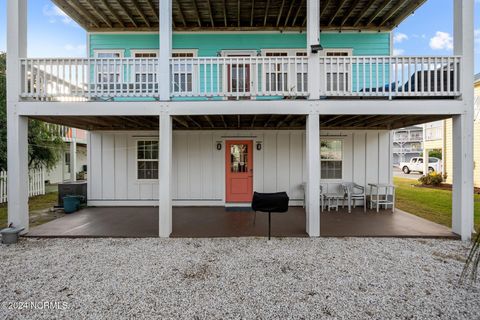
[236, 278]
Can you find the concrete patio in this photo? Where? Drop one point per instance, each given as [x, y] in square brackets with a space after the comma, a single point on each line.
[205, 222]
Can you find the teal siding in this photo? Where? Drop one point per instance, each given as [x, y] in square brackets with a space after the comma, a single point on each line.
[208, 45]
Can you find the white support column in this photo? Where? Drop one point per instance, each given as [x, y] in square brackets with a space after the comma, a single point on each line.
[73, 156]
[165, 176]
[313, 37]
[462, 200]
[17, 126]
[165, 34]
[313, 175]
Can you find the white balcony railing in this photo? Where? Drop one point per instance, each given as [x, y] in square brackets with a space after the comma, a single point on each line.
[390, 76]
[239, 77]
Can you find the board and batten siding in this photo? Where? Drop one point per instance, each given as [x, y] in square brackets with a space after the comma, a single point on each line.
[209, 44]
[199, 168]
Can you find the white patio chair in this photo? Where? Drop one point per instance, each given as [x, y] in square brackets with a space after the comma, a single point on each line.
[355, 192]
[322, 196]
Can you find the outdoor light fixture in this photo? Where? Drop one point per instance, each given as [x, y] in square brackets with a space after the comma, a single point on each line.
[259, 146]
[219, 145]
[316, 47]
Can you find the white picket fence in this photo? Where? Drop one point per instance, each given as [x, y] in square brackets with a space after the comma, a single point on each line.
[36, 183]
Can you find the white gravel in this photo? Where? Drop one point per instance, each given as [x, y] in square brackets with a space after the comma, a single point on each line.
[236, 278]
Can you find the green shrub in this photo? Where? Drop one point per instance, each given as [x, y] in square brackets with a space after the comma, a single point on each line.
[431, 179]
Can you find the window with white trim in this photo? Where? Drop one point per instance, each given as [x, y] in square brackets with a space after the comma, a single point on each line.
[147, 160]
[331, 159]
[145, 74]
[339, 71]
[276, 75]
[302, 73]
[108, 70]
[183, 71]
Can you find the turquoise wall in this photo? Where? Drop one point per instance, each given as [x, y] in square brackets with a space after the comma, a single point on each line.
[208, 45]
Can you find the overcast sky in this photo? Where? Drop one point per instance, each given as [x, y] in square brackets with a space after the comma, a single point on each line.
[427, 32]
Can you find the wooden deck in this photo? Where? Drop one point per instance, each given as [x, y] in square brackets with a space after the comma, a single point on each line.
[204, 222]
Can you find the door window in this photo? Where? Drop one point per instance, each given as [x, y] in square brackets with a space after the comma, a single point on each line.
[239, 158]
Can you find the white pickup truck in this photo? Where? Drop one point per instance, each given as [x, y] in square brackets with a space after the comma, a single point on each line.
[416, 165]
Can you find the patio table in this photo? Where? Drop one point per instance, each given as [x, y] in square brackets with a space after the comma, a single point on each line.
[332, 199]
[384, 195]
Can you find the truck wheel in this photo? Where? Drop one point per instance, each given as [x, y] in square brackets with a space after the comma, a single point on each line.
[406, 170]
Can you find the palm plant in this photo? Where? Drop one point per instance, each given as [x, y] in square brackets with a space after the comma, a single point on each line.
[470, 270]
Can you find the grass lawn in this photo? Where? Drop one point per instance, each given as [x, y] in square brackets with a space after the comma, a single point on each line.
[431, 204]
[35, 204]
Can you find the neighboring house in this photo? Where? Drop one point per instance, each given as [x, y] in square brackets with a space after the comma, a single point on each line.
[242, 96]
[439, 136]
[75, 142]
[407, 143]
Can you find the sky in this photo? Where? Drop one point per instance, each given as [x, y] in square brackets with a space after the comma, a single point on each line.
[427, 32]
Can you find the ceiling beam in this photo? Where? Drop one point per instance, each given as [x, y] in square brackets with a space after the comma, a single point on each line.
[238, 13]
[199, 21]
[253, 121]
[140, 12]
[280, 13]
[238, 121]
[339, 8]
[252, 13]
[364, 12]
[268, 121]
[289, 13]
[324, 7]
[350, 10]
[194, 122]
[181, 121]
[153, 9]
[209, 121]
[288, 117]
[84, 13]
[378, 11]
[265, 18]
[300, 7]
[407, 11]
[223, 120]
[113, 13]
[333, 118]
[180, 11]
[390, 13]
[209, 3]
[99, 12]
[345, 120]
[72, 12]
[225, 19]
[126, 11]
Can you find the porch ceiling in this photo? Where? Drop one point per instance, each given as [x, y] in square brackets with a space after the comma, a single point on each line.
[137, 15]
[242, 122]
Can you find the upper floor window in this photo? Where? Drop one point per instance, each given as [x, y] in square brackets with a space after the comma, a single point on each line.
[285, 75]
[338, 73]
[145, 68]
[108, 70]
[183, 71]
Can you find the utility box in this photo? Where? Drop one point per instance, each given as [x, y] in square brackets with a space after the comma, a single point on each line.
[77, 188]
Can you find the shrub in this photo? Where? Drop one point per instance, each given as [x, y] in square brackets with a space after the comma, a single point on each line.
[431, 179]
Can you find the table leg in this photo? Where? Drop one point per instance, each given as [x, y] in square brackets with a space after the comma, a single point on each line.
[378, 199]
[269, 225]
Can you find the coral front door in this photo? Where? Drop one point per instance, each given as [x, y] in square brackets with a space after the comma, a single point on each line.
[239, 171]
